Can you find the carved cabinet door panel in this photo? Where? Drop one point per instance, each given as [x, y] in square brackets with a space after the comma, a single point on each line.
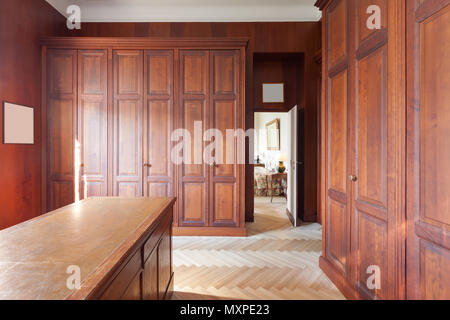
[93, 122]
[193, 117]
[61, 97]
[128, 115]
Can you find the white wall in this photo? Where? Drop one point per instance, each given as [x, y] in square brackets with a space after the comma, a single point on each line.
[270, 158]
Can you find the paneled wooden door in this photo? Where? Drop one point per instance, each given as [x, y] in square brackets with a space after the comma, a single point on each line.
[336, 138]
[428, 144]
[225, 114]
[61, 101]
[363, 142]
[158, 123]
[93, 122]
[128, 122]
[376, 175]
[194, 112]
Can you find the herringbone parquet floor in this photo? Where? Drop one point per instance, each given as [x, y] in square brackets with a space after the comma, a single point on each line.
[275, 261]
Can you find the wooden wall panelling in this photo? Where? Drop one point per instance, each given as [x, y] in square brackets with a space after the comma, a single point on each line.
[264, 37]
[158, 123]
[428, 166]
[128, 121]
[21, 196]
[225, 207]
[93, 122]
[363, 148]
[61, 99]
[194, 108]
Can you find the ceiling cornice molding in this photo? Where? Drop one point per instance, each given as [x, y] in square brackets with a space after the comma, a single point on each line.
[198, 11]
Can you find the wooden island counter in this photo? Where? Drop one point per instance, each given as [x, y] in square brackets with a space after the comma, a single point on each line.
[122, 248]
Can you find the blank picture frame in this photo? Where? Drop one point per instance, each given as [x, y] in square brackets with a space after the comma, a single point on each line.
[18, 124]
[273, 92]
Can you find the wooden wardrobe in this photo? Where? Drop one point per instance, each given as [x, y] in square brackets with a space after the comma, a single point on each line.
[385, 156]
[112, 105]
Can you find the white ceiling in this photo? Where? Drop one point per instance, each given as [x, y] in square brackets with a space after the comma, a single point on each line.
[191, 10]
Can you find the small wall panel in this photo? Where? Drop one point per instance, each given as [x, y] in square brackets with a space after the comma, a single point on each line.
[159, 72]
[61, 194]
[224, 114]
[435, 268]
[372, 129]
[194, 111]
[61, 127]
[224, 72]
[435, 119]
[61, 80]
[337, 32]
[129, 66]
[362, 5]
[338, 124]
[336, 235]
[193, 201]
[371, 252]
[225, 207]
[195, 72]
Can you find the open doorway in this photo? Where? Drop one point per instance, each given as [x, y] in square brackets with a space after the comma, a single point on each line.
[278, 165]
[279, 106]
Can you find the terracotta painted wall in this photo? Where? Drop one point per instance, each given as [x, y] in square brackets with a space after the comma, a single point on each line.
[22, 23]
[264, 37]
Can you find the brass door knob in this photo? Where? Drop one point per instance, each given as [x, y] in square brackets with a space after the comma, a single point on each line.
[353, 178]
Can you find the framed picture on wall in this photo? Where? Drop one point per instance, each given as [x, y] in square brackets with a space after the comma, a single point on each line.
[273, 135]
[273, 92]
[18, 124]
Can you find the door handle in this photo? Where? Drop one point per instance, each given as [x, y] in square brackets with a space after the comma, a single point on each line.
[213, 164]
[353, 178]
[147, 165]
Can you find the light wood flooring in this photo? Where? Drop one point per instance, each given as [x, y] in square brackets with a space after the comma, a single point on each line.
[276, 261]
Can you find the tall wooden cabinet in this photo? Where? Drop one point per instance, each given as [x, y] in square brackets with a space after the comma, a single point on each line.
[210, 95]
[112, 107]
[428, 145]
[369, 131]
